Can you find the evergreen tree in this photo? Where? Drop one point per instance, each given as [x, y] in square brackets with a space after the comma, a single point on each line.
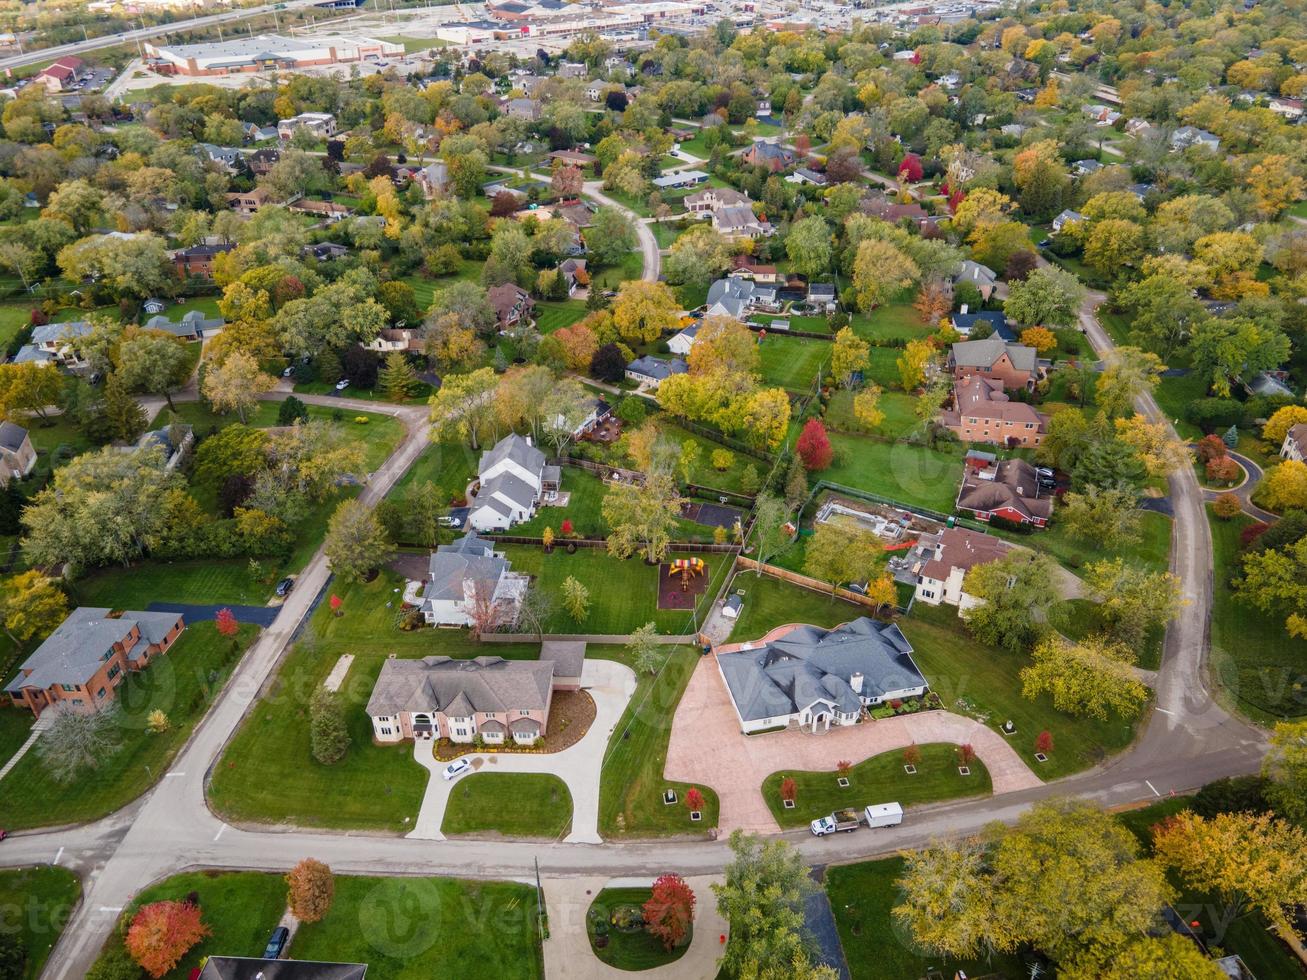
[292, 410]
[1231, 437]
[327, 729]
[12, 503]
[796, 484]
[397, 378]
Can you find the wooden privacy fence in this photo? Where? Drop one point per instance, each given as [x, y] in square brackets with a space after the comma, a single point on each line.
[613, 638]
[560, 544]
[803, 581]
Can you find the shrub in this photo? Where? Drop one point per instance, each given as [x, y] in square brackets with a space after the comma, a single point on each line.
[1211, 414]
[1239, 794]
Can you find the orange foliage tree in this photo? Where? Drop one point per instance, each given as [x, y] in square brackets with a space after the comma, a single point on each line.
[311, 889]
[161, 933]
[670, 910]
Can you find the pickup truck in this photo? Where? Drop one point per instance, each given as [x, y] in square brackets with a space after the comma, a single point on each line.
[846, 820]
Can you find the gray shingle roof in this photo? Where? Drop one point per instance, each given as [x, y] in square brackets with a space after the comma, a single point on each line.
[789, 674]
[12, 436]
[454, 686]
[470, 557]
[567, 656]
[659, 370]
[516, 449]
[74, 651]
[250, 968]
[51, 333]
[983, 353]
[505, 485]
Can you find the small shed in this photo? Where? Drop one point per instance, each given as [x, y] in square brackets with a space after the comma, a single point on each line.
[732, 607]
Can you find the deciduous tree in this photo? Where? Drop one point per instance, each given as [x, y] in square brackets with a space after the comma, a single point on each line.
[328, 731]
[1017, 591]
[77, 743]
[1110, 517]
[912, 364]
[642, 517]
[849, 354]
[576, 599]
[839, 555]
[1048, 296]
[643, 310]
[1129, 375]
[880, 272]
[161, 933]
[645, 650]
[1090, 677]
[669, 912]
[31, 604]
[356, 543]
[236, 383]
[310, 889]
[813, 446]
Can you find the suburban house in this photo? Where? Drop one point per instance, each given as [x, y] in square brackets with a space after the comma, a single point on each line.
[1009, 489]
[880, 206]
[390, 339]
[822, 296]
[810, 678]
[528, 109]
[982, 412]
[994, 358]
[228, 158]
[745, 267]
[711, 198]
[329, 210]
[17, 457]
[433, 178]
[649, 372]
[1295, 442]
[254, 133]
[262, 161]
[512, 479]
[325, 251]
[735, 297]
[1187, 136]
[487, 698]
[193, 325]
[575, 273]
[679, 178]
[467, 578]
[1083, 168]
[511, 304]
[247, 202]
[806, 175]
[250, 968]
[738, 221]
[1065, 218]
[80, 665]
[320, 124]
[683, 341]
[597, 410]
[773, 156]
[196, 261]
[1290, 109]
[981, 276]
[51, 343]
[573, 158]
[941, 562]
[964, 323]
[174, 442]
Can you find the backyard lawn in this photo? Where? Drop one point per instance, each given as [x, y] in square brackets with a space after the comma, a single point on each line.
[514, 804]
[1254, 660]
[879, 779]
[900, 472]
[631, 784]
[792, 362]
[554, 316]
[181, 683]
[769, 602]
[36, 903]
[704, 473]
[893, 321]
[898, 408]
[634, 950]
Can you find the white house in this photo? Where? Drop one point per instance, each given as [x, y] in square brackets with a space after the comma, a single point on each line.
[683, 341]
[320, 124]
[942, 561]
[1065, 218]
[512, 480]
[467, 574]
[1295, 443]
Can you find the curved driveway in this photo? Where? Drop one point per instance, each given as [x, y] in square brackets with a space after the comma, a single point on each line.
[1188, 740]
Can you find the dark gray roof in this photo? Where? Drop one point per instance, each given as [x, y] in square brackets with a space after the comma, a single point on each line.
[12, 436]
[470, 557]
[659, 370]
[508, 485]
[516, 449]
[50, 333]
[74, 651]
[459, 687]
[808, 664]
[567, 656]
[249, 968]
[983, 353]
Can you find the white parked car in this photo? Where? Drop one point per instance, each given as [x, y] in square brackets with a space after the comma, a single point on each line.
[342, 384]
[457, 768]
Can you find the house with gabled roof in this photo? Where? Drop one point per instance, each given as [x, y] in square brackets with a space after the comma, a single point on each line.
[1015, 365]
[17, 457]
[768, 154]
[982, 277]
[1294, 446]
[983, 412]
[940, 562]
[1008, 488]
[811, 678]
[512, 480]
[468, 579]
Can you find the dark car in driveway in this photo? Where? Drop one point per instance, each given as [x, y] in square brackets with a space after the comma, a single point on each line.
[277, 943]
[284, 587]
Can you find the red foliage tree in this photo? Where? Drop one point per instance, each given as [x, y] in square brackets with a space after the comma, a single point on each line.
[566, 526]
[789, 789]
[910, 168]
[966, 754]
[503, 204]
[955, 200]
[802, 144]
[694, 799]
[161, 933]
[843, 767]
[38, 317]
[335, 602]
[814, 446]
[226, 623]
[670, 910]
[1044, 742]
[1222, 470]
[1251, 533]
[1211, 447]
[566, 181]
[912, 755]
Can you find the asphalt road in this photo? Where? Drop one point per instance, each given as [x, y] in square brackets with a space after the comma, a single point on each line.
[1187, 740]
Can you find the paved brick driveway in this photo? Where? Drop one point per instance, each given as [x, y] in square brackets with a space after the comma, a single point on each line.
[708, 748]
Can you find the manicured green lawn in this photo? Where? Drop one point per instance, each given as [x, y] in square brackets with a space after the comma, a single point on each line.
[553, 316]
[862, 897]
[623, 593]
[181, 683]
[450, 466]
[36, 902]
[704, 473]
[15, 726]
[792, 362]
[631, 784]
[630, 267]
[417, 928]
[665, 234]
[898, 408]
[769, 602]
[884, 367]
[636, 950]
[898, 471]
[1077, 619]
[880, 779]
[893, 321]
[1173, 396]
[421, 392]
[1152, 550]
[13, 318]
[187, 581]
[515, 804]
[1256, 663]
[984, 682]
[424, 288]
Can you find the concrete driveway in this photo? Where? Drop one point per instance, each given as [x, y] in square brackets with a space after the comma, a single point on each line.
[611, 685]
[708, 748]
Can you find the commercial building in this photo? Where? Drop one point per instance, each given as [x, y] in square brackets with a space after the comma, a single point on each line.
[266, 52]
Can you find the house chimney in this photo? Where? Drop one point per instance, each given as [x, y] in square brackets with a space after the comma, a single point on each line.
[963, 309]
[855, 682]
[529, 442]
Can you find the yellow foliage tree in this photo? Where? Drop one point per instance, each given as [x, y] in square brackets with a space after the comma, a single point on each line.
[1040, 338]
[1279, 424]
[1285, 486]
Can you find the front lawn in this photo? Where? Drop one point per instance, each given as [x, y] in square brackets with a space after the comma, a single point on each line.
[875, 948]
[554, 316]
[1254, 660]
[15, 726]
[181, 683]
[879, 779]
[183, 581]
[1077, 619]
[634, 950]
[792, 362]
[900, 472]
[1152, 550]
[1173, 395]
[514, 804]
[631, 784]
[450, 466]
[36, 903]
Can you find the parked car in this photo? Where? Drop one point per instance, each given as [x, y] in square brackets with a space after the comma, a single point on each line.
[284, 587]
[277, 943]
[457, 768]
[342, 384]
[287, 373]
[1046, 243]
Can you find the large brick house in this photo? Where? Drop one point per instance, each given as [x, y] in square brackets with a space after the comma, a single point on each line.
[1015, 365]
[81, 664]
[1009, 488]
[982, 412]
[196, 261]
[490, 698]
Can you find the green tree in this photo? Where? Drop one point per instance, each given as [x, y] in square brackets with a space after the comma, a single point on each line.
[356, 543]
[837, 554]
[236, 383]
[808, 246]
[1286, 768]
[880, 272]
[1048, 297]
[1108, 517]
[31, 604]
[1091, 677]
[398, 379]
[611, 236]
[771, 536]
[328, 732]
[1132, 601]
[576, 599]
[642, 517]
[645, 650]
[290, 411]
[1017, 591]
[154, 363]
[850, 353]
